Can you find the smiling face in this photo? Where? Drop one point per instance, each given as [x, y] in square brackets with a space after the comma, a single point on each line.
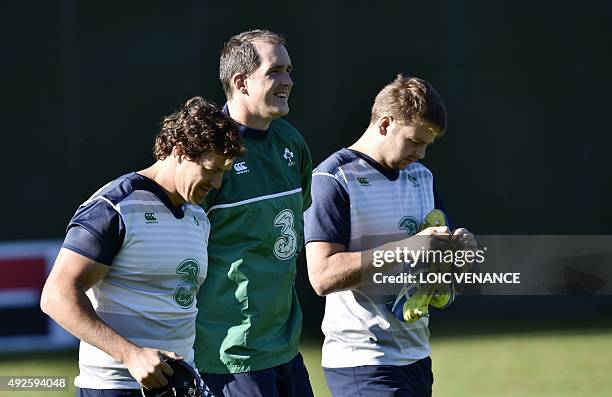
[195, 178]
[406, 143]
[269, 86]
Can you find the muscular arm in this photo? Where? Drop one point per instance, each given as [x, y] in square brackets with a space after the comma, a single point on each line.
[63, 299]
[332, 269]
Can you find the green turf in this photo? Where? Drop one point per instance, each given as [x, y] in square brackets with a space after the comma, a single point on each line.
[547, 364]
[558, 364]
[45, 364]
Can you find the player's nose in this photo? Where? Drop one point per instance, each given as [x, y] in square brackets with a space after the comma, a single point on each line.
[287, 81]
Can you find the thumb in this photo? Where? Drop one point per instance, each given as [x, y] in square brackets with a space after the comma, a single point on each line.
[172, 355]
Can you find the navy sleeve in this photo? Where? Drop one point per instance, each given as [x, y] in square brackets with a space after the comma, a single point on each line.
[96, 231]
[329, 216]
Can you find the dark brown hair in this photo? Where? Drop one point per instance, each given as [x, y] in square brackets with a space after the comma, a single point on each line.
[196, 128]
[239, 55]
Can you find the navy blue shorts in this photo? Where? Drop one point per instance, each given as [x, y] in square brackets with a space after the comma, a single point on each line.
[414, 380]
[108, 392]
[285, 380]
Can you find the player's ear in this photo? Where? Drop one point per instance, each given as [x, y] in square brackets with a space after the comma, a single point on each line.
[177, 152]
[383, 124]
[239, 83]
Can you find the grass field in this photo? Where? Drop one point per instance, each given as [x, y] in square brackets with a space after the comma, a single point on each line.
[559, 364]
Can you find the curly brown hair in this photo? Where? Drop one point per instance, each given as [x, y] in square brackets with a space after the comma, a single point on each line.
[411, 100]
[196, 128]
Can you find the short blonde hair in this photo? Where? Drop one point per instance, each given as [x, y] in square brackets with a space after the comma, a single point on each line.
[411, 100]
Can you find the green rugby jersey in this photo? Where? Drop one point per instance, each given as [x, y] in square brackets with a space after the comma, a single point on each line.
[249, 317]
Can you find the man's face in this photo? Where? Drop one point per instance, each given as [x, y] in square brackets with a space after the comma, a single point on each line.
[406, 144]
[195, 178]
[269, 85]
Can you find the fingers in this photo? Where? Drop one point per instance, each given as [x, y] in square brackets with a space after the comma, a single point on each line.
[458, 235]
[165, 368]
[153, 380]
[435, 231]
[441, 230]
[147, 385]
[437, 237]
[149, 366]
[440, 237]
[463, 239]
[172, 355]
[461, 231]
[158, 375]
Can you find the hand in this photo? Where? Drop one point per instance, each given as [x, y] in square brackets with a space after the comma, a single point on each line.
[435, 231]
[435, 238]
[463, 240]
[148, 366]
[439, 237]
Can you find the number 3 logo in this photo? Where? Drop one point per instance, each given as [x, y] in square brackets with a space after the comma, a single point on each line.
[185, 292]
[286, 245]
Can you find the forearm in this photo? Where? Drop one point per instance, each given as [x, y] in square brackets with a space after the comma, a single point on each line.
[344, 270]
[332, 269]
[71, 309]
[338, 272]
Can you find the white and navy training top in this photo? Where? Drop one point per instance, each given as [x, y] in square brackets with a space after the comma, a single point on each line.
[157, 254]
[358, 203]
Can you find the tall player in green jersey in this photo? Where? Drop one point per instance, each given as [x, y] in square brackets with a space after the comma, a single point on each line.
[249, 319]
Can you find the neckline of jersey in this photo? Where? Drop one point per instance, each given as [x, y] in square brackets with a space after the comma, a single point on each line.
[245, 130]
[391, 175]
[153, 187]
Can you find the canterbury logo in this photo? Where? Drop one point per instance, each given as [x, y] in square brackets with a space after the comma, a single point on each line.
[150, 217]
[241, 168]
